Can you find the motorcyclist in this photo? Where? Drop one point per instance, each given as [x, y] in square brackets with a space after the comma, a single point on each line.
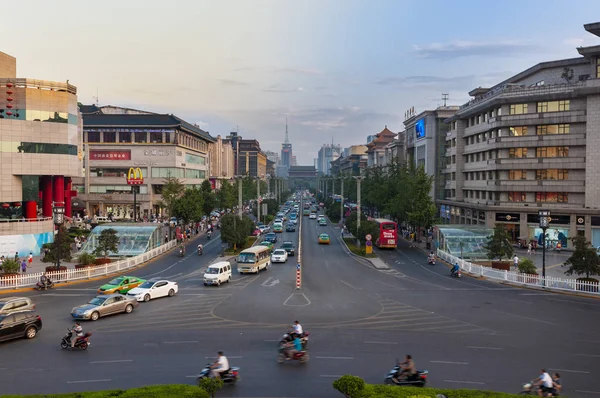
[77, 331]
[181, 250]
[220, 365]
[209, 233]
[431, 257]
[407, 368]
[545, 383]
[200, 249]
[297, 330]
[45, 280]
[455, 269]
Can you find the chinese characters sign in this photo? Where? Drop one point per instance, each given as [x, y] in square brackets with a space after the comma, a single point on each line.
[110, 155]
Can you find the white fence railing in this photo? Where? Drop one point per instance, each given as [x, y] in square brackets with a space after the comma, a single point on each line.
[25, 280]
[551, 283]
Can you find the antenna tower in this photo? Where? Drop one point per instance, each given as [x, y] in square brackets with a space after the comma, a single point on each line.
[445, 98]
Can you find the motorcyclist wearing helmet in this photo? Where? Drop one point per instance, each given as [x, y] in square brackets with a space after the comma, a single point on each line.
[455, 269]
[200, 249]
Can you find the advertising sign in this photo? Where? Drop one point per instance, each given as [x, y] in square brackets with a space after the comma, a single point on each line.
[24, 244]
[110, 155]
[134, 176]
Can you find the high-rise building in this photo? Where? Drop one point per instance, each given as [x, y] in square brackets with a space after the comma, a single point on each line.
[252, 160]
[273, 157]
[286, 149]
[327, 154]
[294, 161]
[234, 139]
[530, 143]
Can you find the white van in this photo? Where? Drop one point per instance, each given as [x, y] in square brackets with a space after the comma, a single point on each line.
[218, 273]
[254, 259]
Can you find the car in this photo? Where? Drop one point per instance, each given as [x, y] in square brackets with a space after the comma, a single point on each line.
[264, 229]
[313, 216]
[17, 325]
[267, 244]
[154, 288]
[278, 227]
[256, 232]
[289, 248]
[122, 285]
[305, 212]
[278, 221]
[323, 222]
[279, 256]
[290, 227]
[271, 237]
[16, 304]
[104, 305]
[324, 238]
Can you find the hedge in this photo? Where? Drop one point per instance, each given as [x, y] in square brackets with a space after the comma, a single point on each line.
[160, 391]
[383, 391]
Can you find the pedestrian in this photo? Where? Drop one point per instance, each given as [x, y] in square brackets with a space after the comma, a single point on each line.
[30, 259]
[16, 256]
[24, 266]
[166, 238]
[529, 248]
[516, 261]
[342, 231]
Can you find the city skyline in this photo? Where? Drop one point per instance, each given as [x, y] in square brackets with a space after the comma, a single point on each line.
[333, 80]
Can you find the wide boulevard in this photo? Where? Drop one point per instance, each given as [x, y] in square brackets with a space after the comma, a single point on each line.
[468, 333]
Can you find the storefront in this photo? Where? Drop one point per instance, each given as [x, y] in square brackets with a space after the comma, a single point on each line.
[558, 231]
[595, 231]
[511, 222]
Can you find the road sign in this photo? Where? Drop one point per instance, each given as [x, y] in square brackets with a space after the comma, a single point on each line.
[264, 208]
[368, 237]
[369, 243]
[298, 267]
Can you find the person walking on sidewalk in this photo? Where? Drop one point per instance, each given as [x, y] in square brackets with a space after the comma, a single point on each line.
[30, 259]
[516, 261]
[24, 266]
[529, 248]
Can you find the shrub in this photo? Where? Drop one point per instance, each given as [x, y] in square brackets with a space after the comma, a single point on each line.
[86, 259]
[526, 266]
[52, 268]
[10, 266]
[349, 385]
[210, 385]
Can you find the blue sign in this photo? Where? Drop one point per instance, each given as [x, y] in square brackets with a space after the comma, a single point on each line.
[298, 266]
[369, 243]
[420, 129]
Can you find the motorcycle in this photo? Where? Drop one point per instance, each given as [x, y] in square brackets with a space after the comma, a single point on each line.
[288, 338]
[200, 251]
[301, 356]
[231, 376]
[531, 389]
[418, 380]
[208, 235]
[456, 274]
[431, 261]
[48, 285]
[81, 343]
[181, 253]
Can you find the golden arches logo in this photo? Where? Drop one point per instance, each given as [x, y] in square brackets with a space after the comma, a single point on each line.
[135, 176]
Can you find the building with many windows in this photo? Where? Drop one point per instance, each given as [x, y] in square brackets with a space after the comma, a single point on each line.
[159, 145]
[530, 143]
[376, 147]
[40, 152]
[221, 161]
[327, 154]
[252, 160]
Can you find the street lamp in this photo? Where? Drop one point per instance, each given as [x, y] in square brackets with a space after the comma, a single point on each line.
[59, 219]
[342, 202]
[358, 211]
[544, 222]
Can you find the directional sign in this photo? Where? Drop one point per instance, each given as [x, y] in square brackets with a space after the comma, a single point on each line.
[368, 237]
[269, 282]
[298, 267]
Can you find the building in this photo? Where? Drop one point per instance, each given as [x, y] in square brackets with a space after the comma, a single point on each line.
[286, 149]
[530, 143]
[376, 147]
[425, 143]
[371, 138]
[41, 152]
[270, 168]
[294, 160]
[302, 172]
[327, 154]
[394, 151]
[234, 139]
[252, 160]
[356, 162]
[159, 145]
[273, 157]
[221, 161]
[282, 171]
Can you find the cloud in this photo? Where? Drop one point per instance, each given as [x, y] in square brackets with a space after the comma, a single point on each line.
[229, 82]
[469, 49]
[424, 81]
[274, 88]
[581, 41]
[270, 69]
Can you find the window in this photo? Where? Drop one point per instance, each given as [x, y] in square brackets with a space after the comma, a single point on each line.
[194, 159]
[125, 136]
[156, 137]
[552, 152]
[517, 175]
[514, 153]
[517, 197]
[552, 174]
[518, 131]
[164, 172]
[518, 109]
[93, 136]
[554, 106]
[190, 173]
[552, 197]
[552, 129]
[116, 189]
[113, 172]
[141, 137]
[39, 147]
[598, 68]
[109, 136]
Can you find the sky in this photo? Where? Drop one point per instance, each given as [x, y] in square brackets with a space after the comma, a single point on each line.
[338, 70]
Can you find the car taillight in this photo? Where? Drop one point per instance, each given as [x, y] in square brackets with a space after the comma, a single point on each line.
[423, 377]
[235, 373]
[39, 318]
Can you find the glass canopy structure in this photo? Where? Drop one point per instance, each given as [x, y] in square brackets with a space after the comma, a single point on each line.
[463, 241]
[134, 239]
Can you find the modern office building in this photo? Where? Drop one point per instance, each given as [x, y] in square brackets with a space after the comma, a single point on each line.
[160, 145]
[286, 149]
[273, 157]
[530, 143]
[40, 152]
[425, 143]
[327, 154]
[294, 160]
[252, 160]
[234, 138]
[222, 161]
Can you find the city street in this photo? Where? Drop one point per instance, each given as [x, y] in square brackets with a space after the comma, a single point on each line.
[360, 319]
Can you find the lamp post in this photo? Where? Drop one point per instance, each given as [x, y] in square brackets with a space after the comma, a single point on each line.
[544, 223]
[240, 206]
[258, 200]
[59, 218]
[342, 202]
[358, 211]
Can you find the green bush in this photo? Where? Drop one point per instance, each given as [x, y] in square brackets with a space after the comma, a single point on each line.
[210, 385]
[86, 259]
[350, 386]
[359, 251]
[159, 391]
[10, 266]
[526, 266]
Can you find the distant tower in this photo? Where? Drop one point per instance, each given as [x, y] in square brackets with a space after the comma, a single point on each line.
[286, 149]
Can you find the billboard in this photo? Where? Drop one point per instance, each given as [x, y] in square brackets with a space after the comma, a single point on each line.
[420, 129]
[110, 155]
[24, 244]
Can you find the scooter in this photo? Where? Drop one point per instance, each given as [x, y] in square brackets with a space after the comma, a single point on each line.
[456, 274]
[200, 251]
[181, 253]
[48, 285]
[431, 260]
[231, 376]
[418, 380]
[208, 235]
[301, 356]
[82, 343]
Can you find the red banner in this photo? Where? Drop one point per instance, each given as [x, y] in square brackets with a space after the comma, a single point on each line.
[110, 155]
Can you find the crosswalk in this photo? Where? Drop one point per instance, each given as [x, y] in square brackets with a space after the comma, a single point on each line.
[395, 315]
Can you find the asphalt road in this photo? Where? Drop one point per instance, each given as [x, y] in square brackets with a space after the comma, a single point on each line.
[467, 333]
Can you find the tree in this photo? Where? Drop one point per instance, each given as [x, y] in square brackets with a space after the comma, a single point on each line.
[10, 266]
[422, 211]
[108, 242]
[584, 260]
[526, 266]
[172, 189]
[208, 197]
[211, 385]
[235, 231]
[189, 207]
[368, 228]
[65, 246]
[498, 245]
[226, 196]
[349, 385]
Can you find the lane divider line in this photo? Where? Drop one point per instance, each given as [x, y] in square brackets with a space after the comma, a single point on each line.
[464, 382]
[88, 381]
[450, 362]
[113, 361]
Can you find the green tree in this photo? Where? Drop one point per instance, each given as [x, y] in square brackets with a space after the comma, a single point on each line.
[211, 385]
[10, 266]
[208, 197]
[189, 206]
[422, 210]
[235, 231]
[498, 245]
[86, 259]
[584, 260]
[226, 196]
[368, 228]
[350, 386]
[526, 266]
[172, 189]
[108, 242]
[66, 243]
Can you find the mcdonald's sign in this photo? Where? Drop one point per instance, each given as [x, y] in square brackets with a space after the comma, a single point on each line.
[134, 176]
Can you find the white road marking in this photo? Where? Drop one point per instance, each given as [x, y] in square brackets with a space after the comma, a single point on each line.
[570, 371]
[192, 376]
[450, 362]
[114, 361]
[379, 342]
[536, 294]
[88, 381]
[65, 295]
[227, 357]
[334, 357]
[464, 382]
[308, 302]
[337, 376]
[588, 355]
[483, 348]
[588, 392]
[271, 341]
[525, 317]
[180, 342]
[349, 285]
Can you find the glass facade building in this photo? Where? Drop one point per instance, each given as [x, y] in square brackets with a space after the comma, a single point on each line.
[133, 239]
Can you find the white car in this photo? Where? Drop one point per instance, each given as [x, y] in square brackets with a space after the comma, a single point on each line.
[279, 256]
[312, 216]
[277, 221]
[154, 288]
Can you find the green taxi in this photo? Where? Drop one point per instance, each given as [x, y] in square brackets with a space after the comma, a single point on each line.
[268, 244]
[122, 285]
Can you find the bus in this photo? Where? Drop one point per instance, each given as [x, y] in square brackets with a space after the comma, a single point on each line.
[388, 233]
[254, 259]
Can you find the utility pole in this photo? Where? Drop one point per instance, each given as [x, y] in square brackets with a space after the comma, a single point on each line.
[258, 198]
[358, 211]
[342, 203]
[240, 197]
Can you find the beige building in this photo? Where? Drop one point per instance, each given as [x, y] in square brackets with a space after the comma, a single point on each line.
[40, 151]
[222, 161]
[530, 143]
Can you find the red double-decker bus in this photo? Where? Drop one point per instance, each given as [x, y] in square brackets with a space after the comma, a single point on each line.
[388, 233]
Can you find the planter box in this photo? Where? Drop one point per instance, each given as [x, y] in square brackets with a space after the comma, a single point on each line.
[82, 266]
[102, 261]
[52, 268]
[502, 265]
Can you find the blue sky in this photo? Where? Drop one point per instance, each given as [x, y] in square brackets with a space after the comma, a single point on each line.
[338, 69]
